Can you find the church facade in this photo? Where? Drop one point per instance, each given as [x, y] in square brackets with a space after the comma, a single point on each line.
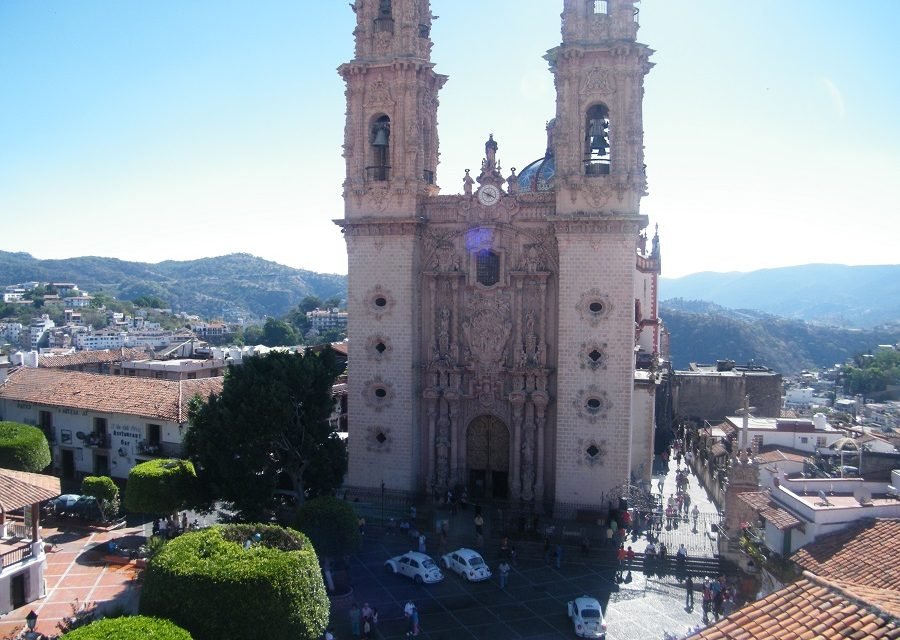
[503, 339]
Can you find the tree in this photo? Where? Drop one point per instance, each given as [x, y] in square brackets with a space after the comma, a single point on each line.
[105, 490]
[129, 628]
[334, 302]
[331, 526]
[270, 422]
[149, 301]
[161, 486]
[238, 582]
[309, 303]
[23, 447]
[277, 333]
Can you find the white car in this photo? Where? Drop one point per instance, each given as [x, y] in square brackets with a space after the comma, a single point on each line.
[587, 616]
[467, 563]
[418, 566]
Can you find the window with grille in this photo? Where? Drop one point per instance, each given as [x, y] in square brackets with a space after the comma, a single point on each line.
[487, 268]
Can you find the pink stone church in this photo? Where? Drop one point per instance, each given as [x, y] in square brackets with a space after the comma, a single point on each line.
[504, 339]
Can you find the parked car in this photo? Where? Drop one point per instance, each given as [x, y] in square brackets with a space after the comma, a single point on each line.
[417, 566]
[467, 563]
[587, 617]
[75, 506]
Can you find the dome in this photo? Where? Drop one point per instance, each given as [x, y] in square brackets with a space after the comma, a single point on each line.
[538, 176]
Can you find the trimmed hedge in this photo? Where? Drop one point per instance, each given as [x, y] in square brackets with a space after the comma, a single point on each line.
[207, 582]
[129, 628]
[161, 486]
[330, 524]
[23, 448]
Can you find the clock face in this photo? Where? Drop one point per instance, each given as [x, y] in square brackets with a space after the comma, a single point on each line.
[488, 195]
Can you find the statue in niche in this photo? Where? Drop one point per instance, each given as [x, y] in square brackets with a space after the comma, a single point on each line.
[445, 260]
[443, 341]
[532, 259]
[512, 183]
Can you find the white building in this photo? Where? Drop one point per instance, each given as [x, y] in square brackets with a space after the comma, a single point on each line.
[101, 339]
[38, 327]
[791, 433]
[101, 424]
[325, 319]
[10, 331]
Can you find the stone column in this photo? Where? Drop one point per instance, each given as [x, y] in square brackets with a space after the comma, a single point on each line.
[457, 437]
[431, 468]
[518, 402]
[540, 407]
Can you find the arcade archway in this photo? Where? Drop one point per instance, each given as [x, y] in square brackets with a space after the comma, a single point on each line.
[487, 458]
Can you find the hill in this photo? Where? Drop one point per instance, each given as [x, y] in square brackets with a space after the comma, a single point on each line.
[830, 294]
[705, 332]
[236, 285]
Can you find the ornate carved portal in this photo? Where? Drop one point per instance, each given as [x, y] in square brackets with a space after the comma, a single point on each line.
[487, 458]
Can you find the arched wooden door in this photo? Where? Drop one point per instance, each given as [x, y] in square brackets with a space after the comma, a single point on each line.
[487, 457]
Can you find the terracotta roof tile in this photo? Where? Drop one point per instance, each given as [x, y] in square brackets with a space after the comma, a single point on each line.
[762, 503]
[19, 489]
[865, 553]
[777, 455]
[92, 357]
[812, 608]
[162, 399]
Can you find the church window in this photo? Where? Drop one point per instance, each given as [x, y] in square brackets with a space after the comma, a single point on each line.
[385, 20]
[595, 356]
[487, 268]
[593, 405]
[381, 438]
[380, 301]
[380, 142]
[593, 451]
[596, 141]
[380, 392]
[596, 307]
[600, 6]
[380, 347]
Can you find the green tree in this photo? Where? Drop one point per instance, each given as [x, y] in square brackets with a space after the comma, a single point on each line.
[234, 582]
[330, 524]
[269, 421]
[277, 333]
[334, 302]
[309, 303]
[23, 447]
[149, 302]
[105, 490]
[129, 628]
[161, 486]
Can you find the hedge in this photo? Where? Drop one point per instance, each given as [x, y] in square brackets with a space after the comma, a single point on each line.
[23, 448]
[330, 524]
[209, 583]
[160, 486]
[129, 628]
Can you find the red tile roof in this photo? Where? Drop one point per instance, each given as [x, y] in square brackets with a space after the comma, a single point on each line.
[162, 399]
[20, 489]
[777, 455]
[762, 503]
[812, 608]
[92, 357]
[865, 554]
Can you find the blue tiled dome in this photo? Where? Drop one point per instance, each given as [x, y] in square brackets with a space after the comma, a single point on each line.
[538, 176]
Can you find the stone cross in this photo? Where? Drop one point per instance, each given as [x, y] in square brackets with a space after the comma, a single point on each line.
[745, 412]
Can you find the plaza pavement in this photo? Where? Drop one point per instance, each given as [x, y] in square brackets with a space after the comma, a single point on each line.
[637, 607]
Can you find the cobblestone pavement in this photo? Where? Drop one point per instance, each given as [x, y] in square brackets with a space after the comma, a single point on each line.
[637, 606]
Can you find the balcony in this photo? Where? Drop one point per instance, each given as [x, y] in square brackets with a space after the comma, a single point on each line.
[20, 553]
[97, 441]
[148, 448]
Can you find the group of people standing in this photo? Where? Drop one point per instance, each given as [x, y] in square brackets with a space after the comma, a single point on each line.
[363, 622]
[170, 526]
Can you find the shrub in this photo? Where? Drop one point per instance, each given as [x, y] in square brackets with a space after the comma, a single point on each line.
[23, 447]
[160, 486]
[129, 628]
[105, 490]
[331, 526]
[207, 582]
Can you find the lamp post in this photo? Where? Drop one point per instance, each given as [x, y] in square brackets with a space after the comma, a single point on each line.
[382, 504]
[31, 621]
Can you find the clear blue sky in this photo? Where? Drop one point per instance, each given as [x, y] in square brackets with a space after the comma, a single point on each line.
[151, 131]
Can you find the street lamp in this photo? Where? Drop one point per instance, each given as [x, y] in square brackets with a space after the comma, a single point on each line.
[382, 504]
[31, 621]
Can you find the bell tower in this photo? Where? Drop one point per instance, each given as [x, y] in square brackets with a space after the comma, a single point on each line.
[391, 152]
[597, 140]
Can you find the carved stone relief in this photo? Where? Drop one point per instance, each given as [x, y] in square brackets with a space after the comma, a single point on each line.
[592, 452]
[379, 96]
[592, 404]
[594, 306]
[379, 302]
[593, 355]
[378, 348]
[378, 394]
[378, 439]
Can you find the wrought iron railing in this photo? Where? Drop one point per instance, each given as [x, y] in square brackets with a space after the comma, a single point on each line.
[16, 555]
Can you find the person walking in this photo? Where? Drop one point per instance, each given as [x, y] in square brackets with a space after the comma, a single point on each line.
[689, 593]
[695, 514]
[422, 543]
[558, 555]
[355, 618]
[503, 570]
[621, 554]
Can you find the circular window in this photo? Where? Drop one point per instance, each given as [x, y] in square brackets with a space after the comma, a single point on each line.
[593, 404]
[381, 301]
[596, 307]
[380, 392]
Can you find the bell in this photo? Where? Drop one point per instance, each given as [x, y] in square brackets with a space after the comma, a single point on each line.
[598, 144]
[381, 137]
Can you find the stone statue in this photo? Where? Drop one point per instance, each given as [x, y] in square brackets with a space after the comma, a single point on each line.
[490, 153]
[467, 184]
[512, 183]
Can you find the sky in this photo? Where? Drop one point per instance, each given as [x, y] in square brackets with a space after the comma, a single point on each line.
[152, 131]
